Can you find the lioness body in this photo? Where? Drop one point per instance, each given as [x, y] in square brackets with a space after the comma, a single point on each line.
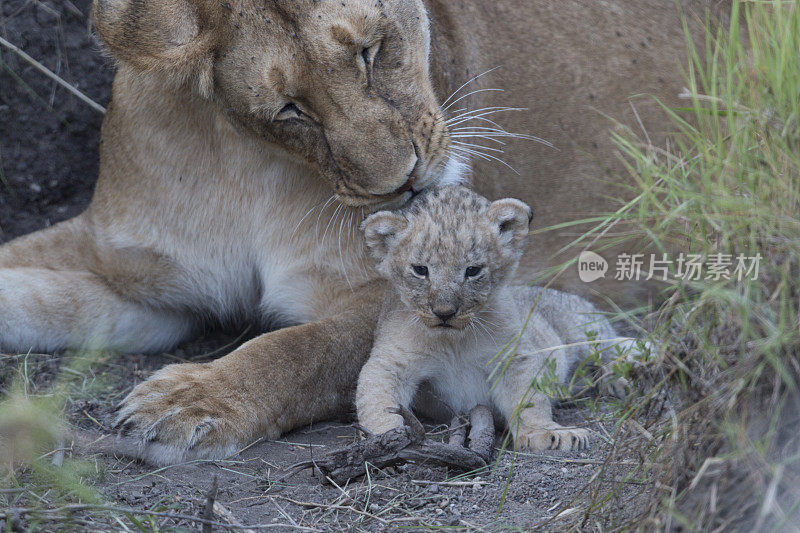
[211, 200]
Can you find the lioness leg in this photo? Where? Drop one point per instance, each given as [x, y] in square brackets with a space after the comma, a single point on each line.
[52, 298]
[269, 385]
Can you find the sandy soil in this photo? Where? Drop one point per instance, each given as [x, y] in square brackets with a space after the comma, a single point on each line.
[518, 491]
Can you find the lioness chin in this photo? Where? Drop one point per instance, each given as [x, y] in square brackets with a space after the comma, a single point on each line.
[246, 140]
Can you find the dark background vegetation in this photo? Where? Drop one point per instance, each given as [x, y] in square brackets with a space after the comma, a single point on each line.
[48, 137]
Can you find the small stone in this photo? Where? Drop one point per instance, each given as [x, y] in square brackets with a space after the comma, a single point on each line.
[433, 489]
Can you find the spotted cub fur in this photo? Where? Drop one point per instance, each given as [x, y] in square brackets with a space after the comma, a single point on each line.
[450, 311]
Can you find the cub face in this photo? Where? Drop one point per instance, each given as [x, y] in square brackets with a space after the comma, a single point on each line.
[343, 86]
[448, 251]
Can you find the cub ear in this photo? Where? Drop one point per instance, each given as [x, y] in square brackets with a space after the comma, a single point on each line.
[154, 34]
[380, 229]
[513, 219]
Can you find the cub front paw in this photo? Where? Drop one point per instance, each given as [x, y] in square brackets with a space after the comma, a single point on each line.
[552, 438]
[188, 411]
[377, 423]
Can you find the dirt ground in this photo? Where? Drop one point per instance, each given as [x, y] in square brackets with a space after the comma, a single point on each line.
[48, 165]
[516, 492]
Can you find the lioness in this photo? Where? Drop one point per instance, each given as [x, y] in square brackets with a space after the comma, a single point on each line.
[245, 140]
[451, 320]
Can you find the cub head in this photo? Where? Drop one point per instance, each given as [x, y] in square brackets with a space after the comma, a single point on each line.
[448, 251]
[341, 84]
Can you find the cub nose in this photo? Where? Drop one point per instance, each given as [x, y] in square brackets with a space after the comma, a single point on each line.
[445, 313]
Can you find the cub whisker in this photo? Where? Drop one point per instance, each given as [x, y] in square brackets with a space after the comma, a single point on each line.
[341, 257]
[324, 207]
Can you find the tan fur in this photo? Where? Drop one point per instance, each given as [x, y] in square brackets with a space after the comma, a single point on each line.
[211, 200]
[469, 248]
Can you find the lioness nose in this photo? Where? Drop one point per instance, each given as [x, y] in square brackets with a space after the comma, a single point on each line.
[412, 176]
[445, 313]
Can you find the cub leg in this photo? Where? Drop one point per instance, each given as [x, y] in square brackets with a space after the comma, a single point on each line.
[51, 298]
[385, 382]
[529, 412]
[272, 384]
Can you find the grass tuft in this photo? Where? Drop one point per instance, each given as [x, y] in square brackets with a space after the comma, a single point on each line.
[713, 430]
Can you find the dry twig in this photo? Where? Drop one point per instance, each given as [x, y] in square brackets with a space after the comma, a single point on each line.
[407, 444]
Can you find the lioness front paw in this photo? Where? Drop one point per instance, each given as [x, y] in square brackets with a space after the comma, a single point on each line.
[552, 438]
[187, 411]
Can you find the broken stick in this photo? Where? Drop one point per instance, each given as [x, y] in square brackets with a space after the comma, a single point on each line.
[407, 444]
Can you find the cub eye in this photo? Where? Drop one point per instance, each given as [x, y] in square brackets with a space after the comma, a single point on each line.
[288, 112]
[472, 271]
[420, 270]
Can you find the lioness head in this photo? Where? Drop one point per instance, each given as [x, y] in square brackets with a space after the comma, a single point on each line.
[341, 84]
[448, 251]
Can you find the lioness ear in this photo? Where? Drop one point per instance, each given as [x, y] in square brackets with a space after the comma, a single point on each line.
[513, 219]
[379, 230]
[154, 34]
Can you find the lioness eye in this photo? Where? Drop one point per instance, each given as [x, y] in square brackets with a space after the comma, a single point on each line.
[288, 112]
[473, 271]
[368, 54]
[420, 270]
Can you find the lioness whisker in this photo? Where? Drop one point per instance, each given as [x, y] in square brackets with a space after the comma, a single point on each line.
[469, 94]
[492, 132]
[482, 111]
[485, 156]
[458, 157]
[453, 112]
[483, 119]
[479, 136]
[470, 145]
[471, 152]
[498, 129]
[488, 131]
[468, 82]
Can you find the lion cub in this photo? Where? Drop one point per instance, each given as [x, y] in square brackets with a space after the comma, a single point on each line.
[448, 257]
